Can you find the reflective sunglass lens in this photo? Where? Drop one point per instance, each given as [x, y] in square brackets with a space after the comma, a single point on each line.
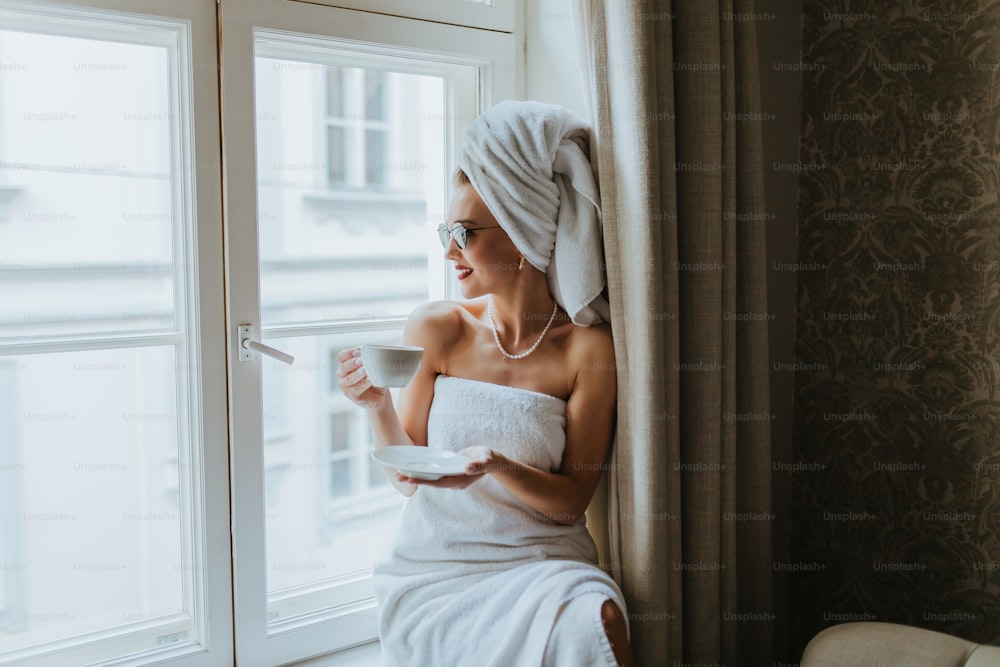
[444, 235]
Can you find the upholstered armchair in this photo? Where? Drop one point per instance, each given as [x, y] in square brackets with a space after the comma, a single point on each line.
[872, 644]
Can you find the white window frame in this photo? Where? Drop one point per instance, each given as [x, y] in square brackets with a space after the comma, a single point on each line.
[201, 376]
[497, 56]
[488, 41]
[499, 15]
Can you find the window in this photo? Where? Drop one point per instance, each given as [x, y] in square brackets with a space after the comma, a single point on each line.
[354, 150]
[108, 416]
[218, 508]
[353, 473]
[357, 127]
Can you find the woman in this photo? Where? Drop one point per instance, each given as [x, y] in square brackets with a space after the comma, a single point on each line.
[496, 567]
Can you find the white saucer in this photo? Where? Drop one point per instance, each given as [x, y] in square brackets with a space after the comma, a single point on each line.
[422, 462]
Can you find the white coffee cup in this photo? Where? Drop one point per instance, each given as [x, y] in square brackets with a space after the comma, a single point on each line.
[391, 365]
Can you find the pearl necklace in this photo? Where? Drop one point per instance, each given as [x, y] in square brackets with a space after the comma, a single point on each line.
[496, 336]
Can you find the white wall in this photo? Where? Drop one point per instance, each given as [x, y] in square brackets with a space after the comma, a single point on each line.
[552, 69]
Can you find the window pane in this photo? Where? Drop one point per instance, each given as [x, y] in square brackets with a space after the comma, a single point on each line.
[326, 502]
[375, 90]
[340, 479]
[376, 476]
[336, 138]
[334, 92]
[98, 489]
[360, 251]
[340, 430]
[275, 395]
[92, 466]
[85, 141]
[375, 157]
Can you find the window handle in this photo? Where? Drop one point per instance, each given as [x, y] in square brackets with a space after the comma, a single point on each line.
[249, 342]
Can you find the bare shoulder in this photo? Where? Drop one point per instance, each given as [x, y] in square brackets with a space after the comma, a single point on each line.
[434, 325]
[593, 343]
[592, 355]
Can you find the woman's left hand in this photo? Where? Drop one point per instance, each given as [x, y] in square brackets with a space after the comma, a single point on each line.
[482, 460]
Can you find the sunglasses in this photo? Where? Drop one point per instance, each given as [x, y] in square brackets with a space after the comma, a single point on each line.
[457, 232]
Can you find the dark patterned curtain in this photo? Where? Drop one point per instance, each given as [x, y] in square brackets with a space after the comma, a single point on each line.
[897, 326]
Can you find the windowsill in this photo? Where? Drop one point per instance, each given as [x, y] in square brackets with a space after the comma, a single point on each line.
[366, 655]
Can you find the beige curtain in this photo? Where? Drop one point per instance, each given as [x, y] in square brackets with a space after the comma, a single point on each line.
[676, 111]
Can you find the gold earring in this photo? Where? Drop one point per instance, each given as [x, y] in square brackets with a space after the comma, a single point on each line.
[520, 265]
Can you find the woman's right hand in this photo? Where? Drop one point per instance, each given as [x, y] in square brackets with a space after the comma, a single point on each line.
[354, 382]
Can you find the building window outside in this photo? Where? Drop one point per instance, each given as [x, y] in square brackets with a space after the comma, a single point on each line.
[357, 127]
[353, 473]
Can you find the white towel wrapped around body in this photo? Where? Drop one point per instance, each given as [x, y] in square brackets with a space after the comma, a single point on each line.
[530, 164]
[475, 576]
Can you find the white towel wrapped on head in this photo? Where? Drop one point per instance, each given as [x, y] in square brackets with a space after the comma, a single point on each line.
[530, 164]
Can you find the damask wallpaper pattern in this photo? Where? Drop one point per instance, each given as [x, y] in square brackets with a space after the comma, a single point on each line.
[896, 502]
